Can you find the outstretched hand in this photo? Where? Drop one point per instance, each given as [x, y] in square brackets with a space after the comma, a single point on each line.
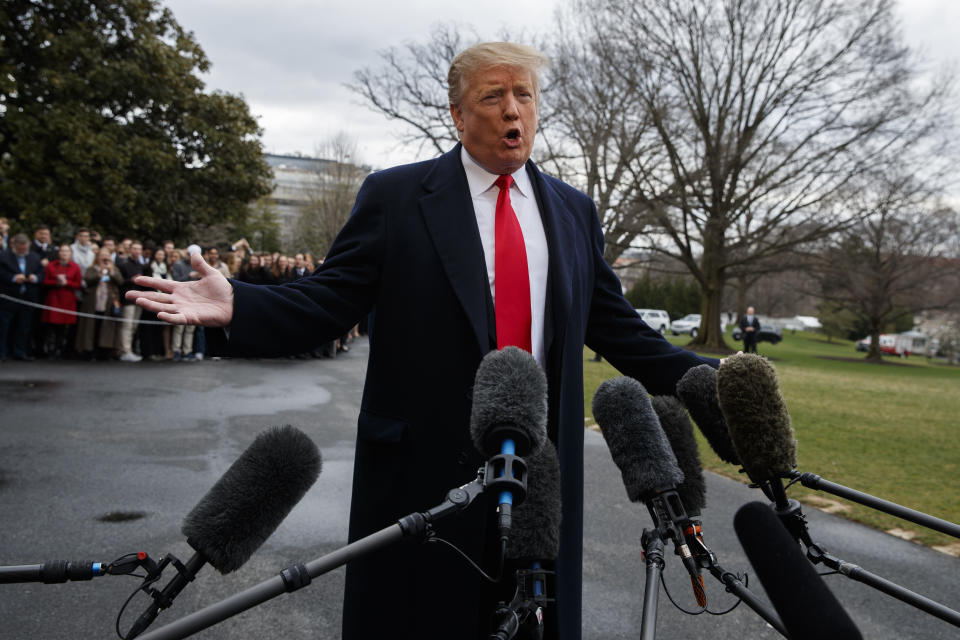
[207, 302]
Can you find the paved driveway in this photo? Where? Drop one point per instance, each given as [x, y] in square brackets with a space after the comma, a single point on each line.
[101, 459]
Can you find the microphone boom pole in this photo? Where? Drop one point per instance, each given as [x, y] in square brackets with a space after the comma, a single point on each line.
[813, 481]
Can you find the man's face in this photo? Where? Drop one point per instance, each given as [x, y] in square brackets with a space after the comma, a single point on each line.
[83, 238]
[110, 245]
[749, 311]
[4, 226]
[42, 235]
[213, 257]
[21, 248]
[298, 261]
[497, 118]
[64, 253]
[135, 250]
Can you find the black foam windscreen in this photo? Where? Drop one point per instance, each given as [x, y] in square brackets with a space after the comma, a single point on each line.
[509, 395]
[676, 424]
[808, 609]
[697, 391]
[636, 441]
[756, 416]
[252, 497]
[536, 521]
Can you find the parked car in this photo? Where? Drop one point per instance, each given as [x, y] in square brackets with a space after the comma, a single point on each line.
[768, 333]
[897, 344]
[689, 323]
[655, 318]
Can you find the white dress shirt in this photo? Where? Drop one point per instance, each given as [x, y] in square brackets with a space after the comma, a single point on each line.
[484, 192]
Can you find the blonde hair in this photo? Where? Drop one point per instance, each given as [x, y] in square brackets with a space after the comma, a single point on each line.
[492, 54]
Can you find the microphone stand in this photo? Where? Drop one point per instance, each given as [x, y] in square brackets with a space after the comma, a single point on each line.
[708, 560]
[416, 526]
[525, 611]
[813, 481]
[791, 515]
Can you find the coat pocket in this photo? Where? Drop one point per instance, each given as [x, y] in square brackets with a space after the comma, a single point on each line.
[374, 428]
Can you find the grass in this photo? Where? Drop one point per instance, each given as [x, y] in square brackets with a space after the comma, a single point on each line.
[890, 430]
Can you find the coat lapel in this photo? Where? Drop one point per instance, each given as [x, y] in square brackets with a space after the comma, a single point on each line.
[557, 225]
[447, 211]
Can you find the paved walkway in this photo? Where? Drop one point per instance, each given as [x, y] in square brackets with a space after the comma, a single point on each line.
[101, 459]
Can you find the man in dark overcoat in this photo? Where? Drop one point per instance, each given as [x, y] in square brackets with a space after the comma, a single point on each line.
[419, 255]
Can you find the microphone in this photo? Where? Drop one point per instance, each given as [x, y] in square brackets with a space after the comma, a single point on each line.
[676, 425]
[648, 465]
[697, 391]
[536, 522]
[808, 609]
[693, 490]
[508, 419]
[535, 537]
[241, 510]
[760, 428]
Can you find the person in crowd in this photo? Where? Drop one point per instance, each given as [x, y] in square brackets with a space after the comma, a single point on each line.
[750, 328]
[212, 255]
[155, 338]
[181, 337]
[253, 272]
[98, 338]
[281, 270]
[42, 245]
[233, 262]
[21, 272]
[111, 244]
[299, 267]
[130, 267]
[422, 243]
[62, 280]
[4, 234]
[83, 250]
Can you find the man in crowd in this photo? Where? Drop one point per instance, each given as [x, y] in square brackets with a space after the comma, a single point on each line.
[83, 249]
[213, 259]
[470, 252]
[299, 266]
[42, 245]
[21, 272]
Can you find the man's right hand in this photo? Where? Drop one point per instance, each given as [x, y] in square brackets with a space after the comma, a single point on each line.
[207, 302]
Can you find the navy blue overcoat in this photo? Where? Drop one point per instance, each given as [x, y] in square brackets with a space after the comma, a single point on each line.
[410, 255]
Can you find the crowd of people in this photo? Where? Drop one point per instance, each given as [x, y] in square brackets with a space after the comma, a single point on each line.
[67, 300]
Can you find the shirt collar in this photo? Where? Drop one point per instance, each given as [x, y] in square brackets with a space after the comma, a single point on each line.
[480, 180]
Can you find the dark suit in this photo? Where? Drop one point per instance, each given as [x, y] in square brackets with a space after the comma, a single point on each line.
[411, 254]
[749, 337]
[15, 318]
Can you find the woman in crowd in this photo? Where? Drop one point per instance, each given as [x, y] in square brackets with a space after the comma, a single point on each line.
[98, 338]
[254, 273]
[281, 269]
[62, 280]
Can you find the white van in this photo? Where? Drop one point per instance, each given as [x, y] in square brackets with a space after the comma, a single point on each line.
[655, 318]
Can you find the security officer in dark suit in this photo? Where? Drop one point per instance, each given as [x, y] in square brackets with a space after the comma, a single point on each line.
[21, 273]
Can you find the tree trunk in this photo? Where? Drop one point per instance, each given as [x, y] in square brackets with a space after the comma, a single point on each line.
[873, 354]
[709, 336]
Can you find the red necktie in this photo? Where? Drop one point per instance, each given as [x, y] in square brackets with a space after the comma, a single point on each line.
[511, 278]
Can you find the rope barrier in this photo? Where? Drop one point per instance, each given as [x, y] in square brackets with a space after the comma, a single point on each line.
[80, 314]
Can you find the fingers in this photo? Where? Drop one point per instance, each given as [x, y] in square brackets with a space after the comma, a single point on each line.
[166, 286]
[172, 318]
[200, 265]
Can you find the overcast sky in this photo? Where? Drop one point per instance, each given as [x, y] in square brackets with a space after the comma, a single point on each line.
[291, 58]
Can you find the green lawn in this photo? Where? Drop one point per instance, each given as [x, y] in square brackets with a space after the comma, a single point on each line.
[889, 430]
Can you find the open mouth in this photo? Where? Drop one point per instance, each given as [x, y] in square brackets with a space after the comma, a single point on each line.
[512, 137]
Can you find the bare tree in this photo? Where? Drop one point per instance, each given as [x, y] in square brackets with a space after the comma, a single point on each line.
[765, 110]
[331, 191]
[898, 260]
[410, 87]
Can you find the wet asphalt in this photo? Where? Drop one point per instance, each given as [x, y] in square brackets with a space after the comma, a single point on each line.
[98, 460]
